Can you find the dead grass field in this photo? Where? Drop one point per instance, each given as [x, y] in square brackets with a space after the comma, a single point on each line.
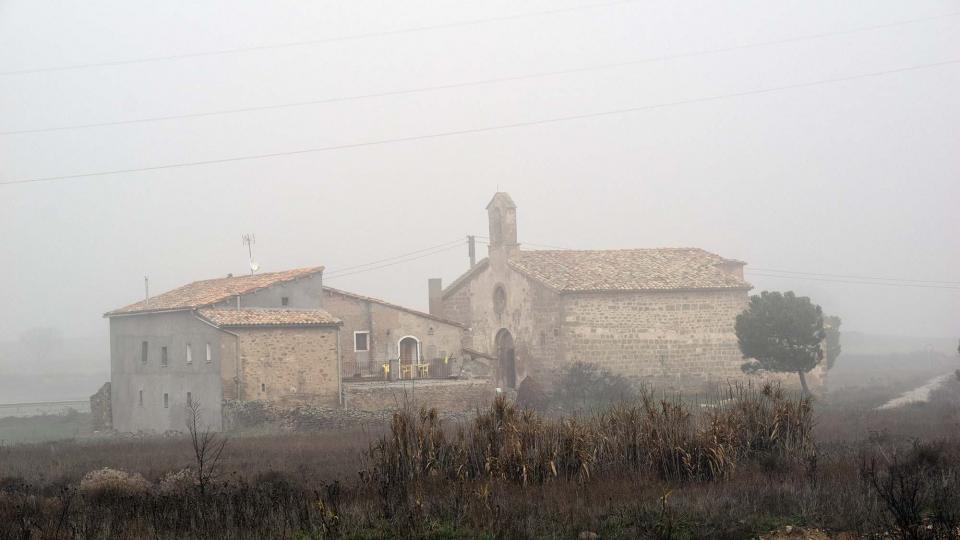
[760, 465]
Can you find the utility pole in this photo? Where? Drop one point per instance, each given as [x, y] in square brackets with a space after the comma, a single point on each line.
[472, 249]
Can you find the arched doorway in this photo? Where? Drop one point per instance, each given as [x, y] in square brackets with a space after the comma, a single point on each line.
[507, 356]
[409, 356]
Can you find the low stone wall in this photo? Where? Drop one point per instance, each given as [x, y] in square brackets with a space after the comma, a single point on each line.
[101, 410]
[448, 396]
[240, 415]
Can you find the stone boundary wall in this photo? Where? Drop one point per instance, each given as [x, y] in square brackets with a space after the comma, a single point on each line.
[101, 410]
[239, 415]
[449, 397]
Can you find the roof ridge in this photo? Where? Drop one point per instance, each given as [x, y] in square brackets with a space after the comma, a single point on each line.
[392, 305]
[207, 292]
[614, 250]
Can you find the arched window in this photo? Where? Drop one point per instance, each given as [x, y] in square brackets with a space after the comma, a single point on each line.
[499, 300]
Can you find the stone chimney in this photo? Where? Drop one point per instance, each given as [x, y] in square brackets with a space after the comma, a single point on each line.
[732, 267]
[435, 295]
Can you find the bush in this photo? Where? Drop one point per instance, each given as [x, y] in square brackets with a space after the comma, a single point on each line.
[588, 387]
[178, 482]
[531, 395]
[111, 482]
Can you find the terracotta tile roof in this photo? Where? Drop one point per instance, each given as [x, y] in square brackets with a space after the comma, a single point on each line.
[204, 293]
[362, 298]
[628, 269]
[269, 317]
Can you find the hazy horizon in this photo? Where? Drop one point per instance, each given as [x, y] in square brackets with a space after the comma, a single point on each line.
[855, 178]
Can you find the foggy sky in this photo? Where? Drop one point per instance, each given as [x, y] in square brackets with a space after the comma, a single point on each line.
[860, 177]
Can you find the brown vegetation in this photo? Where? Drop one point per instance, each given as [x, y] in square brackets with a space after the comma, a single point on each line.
[652, 468]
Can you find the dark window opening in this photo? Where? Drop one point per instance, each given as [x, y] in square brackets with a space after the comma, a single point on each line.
[141, 398]
[164, 360]
[143, 351]
[361, 341]
[263, 387]
[166, 401]
[499, 300]
[189, 398]
[285, 301]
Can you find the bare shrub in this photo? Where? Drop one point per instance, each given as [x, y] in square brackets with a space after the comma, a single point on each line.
[207, 446]
[919, 489]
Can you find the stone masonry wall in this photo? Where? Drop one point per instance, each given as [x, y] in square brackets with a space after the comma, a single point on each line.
[387, 325]
[531, 315]
[284, 363]
[674, 339]
[101, 414]
[447, 396]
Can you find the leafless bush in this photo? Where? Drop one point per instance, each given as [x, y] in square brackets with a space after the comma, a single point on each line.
[920, 489]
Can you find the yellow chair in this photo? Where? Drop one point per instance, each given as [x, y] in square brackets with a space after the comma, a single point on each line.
[423, 370]
[406, 371]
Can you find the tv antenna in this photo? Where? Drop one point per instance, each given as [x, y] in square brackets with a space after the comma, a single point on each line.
[249, 240]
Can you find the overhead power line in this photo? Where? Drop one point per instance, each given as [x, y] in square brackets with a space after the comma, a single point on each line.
[355, 37]
[531, 244]
[428, 254]
[857, 282]
[487, 129]
[466, 84]
[333, 273]
[847, 276]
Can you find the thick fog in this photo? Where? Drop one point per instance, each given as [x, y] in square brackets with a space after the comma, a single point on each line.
[827, 175]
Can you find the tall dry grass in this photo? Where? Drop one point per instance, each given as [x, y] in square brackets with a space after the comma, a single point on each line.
[658, 437]
[652, 468]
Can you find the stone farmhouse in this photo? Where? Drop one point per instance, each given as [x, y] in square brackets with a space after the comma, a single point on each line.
[661, 316]
[664, 316]
[281, 337]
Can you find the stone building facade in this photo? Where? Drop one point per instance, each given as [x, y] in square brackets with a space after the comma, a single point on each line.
[664, 316]
[280, 337]
[376, 332]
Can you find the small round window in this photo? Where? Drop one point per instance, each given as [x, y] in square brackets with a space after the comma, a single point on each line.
[499, 300]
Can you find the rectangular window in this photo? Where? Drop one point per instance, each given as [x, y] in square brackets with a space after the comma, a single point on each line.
[143, 351]
[209, 354]
[189, 399]
[166, 400]
[285, 301]
[263, 387]
[361, 341]
[189, 354]
[141, 398]
[164, 359]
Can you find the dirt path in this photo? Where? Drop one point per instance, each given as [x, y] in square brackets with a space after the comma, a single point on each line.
[921, 394]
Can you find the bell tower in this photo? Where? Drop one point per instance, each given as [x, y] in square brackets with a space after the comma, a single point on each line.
[502, 217]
